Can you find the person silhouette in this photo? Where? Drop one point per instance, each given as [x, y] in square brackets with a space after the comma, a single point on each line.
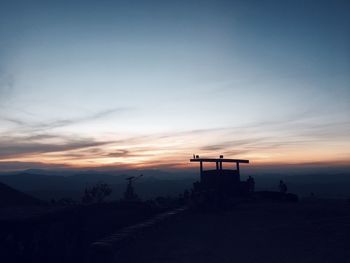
[283, 187]
[251, 184]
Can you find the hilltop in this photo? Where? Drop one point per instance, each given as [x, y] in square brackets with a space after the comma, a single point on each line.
[11, 197]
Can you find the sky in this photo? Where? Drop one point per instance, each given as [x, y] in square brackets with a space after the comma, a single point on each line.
[149, 83]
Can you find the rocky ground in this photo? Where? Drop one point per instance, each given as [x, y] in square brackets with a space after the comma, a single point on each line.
[308, 231]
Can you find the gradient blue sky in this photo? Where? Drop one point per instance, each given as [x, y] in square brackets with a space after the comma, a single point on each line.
[121, 83]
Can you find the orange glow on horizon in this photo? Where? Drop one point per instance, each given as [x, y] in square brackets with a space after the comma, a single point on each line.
[173, 151]
[180, 160]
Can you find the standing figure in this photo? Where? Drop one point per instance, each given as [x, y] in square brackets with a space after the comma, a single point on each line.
[251, 184]
[283, 187]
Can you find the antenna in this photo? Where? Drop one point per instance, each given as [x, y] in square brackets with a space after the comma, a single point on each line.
[129, 193]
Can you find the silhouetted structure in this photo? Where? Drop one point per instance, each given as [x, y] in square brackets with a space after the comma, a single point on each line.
[129, 193]
[221, 182]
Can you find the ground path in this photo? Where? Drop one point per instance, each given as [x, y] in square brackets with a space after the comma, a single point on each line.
[257, 232]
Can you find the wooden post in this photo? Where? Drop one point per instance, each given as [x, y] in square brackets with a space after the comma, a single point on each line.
[217, 165]
[201, 169]
[237, 166]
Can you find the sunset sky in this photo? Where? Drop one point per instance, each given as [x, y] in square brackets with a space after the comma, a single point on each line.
[149, 83]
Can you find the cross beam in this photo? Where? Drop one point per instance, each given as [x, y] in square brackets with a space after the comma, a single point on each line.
[218, 160]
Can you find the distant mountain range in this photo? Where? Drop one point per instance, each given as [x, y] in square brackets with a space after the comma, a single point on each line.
[323, 185]
[70, 184]
[45, 184]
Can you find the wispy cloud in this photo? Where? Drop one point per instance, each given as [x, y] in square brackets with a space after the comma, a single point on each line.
[40, 126]
[230, 144]
[121, 153]
[17, 147]
[272, 142]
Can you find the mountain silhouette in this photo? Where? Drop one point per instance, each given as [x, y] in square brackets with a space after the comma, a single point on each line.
[12, 197]
[45, 186]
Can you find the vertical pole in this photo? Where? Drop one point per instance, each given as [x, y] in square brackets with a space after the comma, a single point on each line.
[201, 169]
[238, 172]
[217, 165]
[220, 165]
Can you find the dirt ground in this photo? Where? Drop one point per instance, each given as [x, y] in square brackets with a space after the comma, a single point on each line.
[317, 231]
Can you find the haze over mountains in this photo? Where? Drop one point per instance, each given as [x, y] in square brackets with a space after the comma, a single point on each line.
[48, 184]
[71, 184]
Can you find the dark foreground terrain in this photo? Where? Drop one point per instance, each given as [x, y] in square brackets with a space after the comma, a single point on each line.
[308, 231]
[55, 234]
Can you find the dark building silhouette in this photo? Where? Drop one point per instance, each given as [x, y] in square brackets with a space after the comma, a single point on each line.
[221, 180]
